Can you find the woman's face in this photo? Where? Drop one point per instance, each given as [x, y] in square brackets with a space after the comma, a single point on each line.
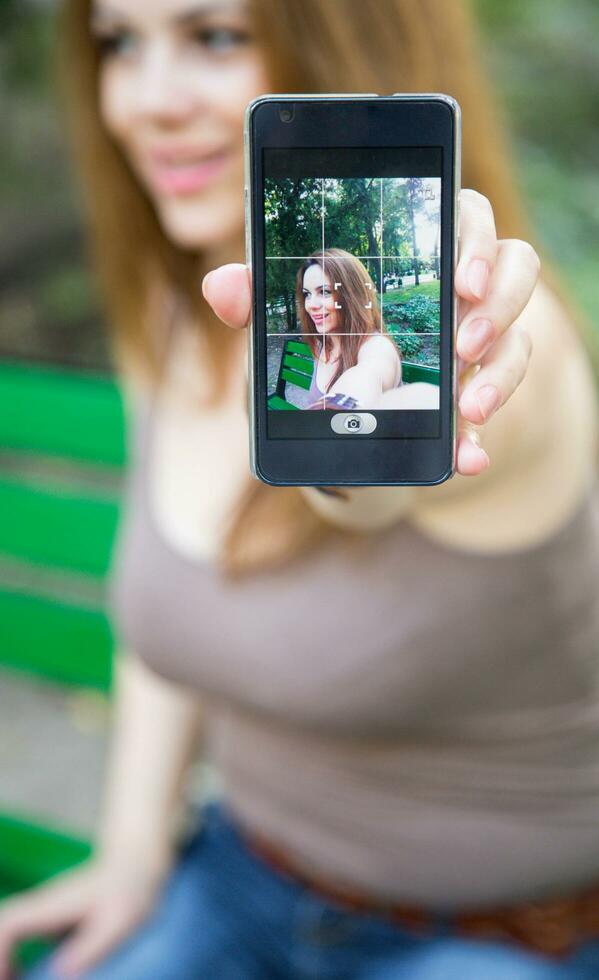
[319, 299]
[175, 78]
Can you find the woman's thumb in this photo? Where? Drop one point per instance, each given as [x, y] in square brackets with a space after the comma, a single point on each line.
[228, 290]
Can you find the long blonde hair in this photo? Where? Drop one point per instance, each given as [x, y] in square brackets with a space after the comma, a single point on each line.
[307, 46]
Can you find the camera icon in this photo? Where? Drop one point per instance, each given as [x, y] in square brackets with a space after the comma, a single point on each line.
[353, 423]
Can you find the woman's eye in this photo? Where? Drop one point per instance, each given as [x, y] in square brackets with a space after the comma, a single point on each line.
[119, 43]
[220, 38]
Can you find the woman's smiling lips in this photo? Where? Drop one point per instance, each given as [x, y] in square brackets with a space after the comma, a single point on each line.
[319, 317]
[184, 171]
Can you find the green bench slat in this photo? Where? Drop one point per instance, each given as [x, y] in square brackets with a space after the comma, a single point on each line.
[411, 372]
[301, 380]
[274, 402]
[299, 347]
[57, 527]
[30, 852]
[63, 642]
[301, 364]
[61, 413]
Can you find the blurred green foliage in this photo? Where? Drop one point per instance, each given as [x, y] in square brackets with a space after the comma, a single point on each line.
[48, 307]
[542, 55]
[544, 58]
[410, 346]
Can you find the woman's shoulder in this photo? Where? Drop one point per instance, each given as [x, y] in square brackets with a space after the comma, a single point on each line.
[381, 348]
[378, 343]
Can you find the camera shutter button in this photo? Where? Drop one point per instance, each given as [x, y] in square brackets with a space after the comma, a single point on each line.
[353, 423]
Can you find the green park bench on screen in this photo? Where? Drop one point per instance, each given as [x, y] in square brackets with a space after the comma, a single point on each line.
[297, 366]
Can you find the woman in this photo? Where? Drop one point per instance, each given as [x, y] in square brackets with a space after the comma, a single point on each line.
[354, 354]
[339, 314]
[405, 721]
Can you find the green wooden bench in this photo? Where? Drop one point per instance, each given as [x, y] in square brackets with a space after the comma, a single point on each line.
[297, 366]
[62, 454]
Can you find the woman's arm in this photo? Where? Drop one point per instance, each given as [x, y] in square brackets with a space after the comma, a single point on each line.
[155, 732]
[377, 370]
[154, 736]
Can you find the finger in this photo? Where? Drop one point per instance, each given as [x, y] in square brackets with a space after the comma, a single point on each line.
[52, 909]
[228, 290]
[471, 459]
[512, 284]
[478, 246]
[501, 371]
[90, 944]
[31, 915]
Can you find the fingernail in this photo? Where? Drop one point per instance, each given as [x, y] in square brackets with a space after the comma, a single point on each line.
[488, 399]
[474, 438]
[476, 337]
[205, 283]
[482, 451]
[477, 275]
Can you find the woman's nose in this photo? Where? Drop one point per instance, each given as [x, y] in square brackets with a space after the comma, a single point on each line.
[162, 93]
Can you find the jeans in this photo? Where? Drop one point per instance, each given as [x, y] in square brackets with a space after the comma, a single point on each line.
[224, 914]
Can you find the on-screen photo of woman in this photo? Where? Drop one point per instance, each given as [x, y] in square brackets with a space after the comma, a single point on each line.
[357, 363]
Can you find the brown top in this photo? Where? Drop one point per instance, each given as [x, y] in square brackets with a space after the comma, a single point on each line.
[422, 722]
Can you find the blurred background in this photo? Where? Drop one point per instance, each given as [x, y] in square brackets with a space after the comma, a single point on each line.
[542, 55]
[61, 424]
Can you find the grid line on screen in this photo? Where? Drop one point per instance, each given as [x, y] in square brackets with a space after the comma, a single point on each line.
[366, 333]
[381, 261]
[324, 396]
[407, 255]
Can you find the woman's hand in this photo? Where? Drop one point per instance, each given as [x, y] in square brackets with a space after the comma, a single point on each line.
[494, 281]
[101, 903]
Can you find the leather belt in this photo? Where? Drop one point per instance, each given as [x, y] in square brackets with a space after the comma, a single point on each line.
[551, 926]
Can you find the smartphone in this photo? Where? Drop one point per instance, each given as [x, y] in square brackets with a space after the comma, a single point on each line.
[351, 205]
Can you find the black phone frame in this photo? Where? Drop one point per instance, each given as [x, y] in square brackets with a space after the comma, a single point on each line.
[427, 120]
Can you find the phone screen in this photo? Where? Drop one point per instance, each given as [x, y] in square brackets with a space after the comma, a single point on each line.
[352, 291]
